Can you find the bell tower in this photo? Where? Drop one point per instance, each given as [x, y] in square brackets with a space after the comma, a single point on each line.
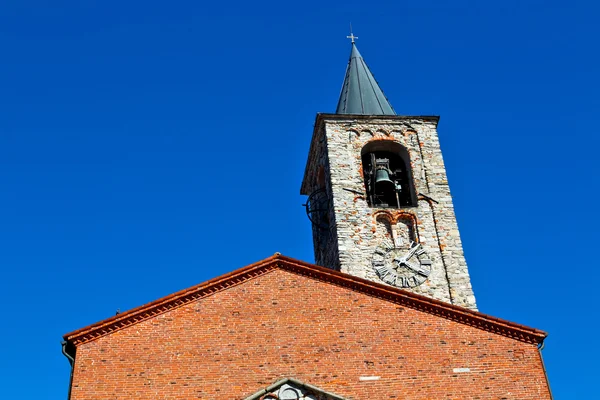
[378, 195]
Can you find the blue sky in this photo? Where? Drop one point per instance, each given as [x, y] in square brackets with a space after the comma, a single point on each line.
[149, 146]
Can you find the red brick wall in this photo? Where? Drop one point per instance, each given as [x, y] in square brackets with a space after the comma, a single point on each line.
[238, 341]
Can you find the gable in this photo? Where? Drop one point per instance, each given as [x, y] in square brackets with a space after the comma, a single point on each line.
[387, 293]
[286, 322]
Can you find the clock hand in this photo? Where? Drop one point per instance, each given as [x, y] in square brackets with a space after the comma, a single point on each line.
[412, 251]
[407, 257]
[416, 269]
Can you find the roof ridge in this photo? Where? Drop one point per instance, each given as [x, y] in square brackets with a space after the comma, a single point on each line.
[407, 299]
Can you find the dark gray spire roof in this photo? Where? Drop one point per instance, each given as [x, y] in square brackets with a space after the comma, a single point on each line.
[360, 92]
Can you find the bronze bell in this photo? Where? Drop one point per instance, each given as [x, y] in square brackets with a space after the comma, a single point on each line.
[383, 183]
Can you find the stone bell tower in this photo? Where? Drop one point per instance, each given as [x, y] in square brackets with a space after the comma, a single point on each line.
[379, 198]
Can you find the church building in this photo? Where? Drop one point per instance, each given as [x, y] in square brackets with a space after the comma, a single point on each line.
[387, 312]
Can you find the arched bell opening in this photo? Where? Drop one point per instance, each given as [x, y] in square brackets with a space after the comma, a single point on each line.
[387, 174]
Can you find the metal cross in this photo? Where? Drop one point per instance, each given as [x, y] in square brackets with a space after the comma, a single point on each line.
[351, 37]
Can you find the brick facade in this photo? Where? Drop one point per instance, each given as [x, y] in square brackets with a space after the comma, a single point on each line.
[230, 337]
[356, 229]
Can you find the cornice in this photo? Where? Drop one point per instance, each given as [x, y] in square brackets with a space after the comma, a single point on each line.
[359, 117]
[388, 293]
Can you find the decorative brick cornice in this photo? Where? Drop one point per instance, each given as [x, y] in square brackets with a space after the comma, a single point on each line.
[388, 293]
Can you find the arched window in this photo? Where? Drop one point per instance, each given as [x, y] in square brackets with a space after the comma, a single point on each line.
[388, 178]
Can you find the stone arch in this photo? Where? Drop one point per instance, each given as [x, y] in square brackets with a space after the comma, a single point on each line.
[387, 173]
[407, 224]
[382, 132]
[384, 225]
[396, 134]
[384, 215]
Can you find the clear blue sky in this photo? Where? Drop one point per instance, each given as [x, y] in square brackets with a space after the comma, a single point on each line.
[149, 146]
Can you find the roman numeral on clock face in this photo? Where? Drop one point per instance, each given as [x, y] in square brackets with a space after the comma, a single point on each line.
[402, 281]
[381, 269]
[389, 277]
[409, 282]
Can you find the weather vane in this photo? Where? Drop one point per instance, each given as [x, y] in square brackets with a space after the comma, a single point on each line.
[352, 37]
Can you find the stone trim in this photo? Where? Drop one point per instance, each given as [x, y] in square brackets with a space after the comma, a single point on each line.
[398, 296]
[268, 392]
[320, 116]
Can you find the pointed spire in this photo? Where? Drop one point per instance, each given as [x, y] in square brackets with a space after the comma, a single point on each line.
[360, 92]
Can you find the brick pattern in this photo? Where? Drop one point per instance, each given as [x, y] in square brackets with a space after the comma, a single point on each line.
[357, 229]
[232, 343]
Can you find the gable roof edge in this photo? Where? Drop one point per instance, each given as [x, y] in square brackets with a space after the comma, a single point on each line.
[167, 303]
[421, 303]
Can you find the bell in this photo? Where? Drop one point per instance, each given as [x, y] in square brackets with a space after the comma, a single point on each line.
[383, 183]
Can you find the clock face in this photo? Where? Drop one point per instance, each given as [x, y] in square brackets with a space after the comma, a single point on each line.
[403, 268]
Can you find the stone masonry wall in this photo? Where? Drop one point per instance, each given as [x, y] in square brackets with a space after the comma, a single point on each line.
[357, 229]
[325, 241]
